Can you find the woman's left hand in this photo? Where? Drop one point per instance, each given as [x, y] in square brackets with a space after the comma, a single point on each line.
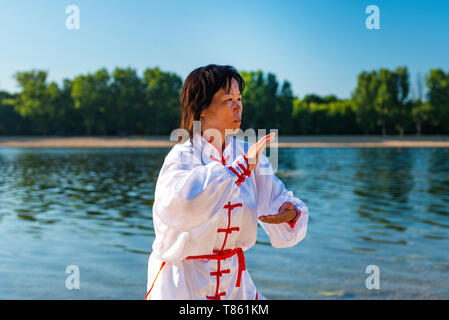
[286, 213]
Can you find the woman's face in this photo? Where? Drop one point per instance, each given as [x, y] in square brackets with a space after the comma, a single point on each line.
[225, 111]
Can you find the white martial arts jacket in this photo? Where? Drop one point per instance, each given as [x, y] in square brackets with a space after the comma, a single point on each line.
[205, 216]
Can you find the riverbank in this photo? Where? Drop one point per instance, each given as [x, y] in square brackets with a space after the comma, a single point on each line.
[284, 142]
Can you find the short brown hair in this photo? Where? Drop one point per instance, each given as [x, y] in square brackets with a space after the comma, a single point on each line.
[199, 88]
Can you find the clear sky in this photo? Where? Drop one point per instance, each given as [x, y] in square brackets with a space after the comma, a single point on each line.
[320, 46]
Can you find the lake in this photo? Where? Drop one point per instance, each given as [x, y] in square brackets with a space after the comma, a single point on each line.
[92, 208]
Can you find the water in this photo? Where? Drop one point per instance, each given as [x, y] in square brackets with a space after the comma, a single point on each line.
[92, 208]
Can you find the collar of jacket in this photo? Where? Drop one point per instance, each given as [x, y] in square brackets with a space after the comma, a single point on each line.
[209, 152]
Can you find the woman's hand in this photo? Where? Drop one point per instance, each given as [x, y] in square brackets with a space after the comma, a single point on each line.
[257, 149]
[286, 213]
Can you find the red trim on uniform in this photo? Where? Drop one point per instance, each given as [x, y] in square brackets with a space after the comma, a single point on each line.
[217, 296]
[245, 172]
[162, 266]
[228, 230]
[224, 254]
[257, 295]
[220, 272]
[215, 159]
[237, 174]
[218, 275]
[232, 206]
[223, 160]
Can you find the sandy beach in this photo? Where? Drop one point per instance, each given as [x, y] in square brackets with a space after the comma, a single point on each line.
[283, 142]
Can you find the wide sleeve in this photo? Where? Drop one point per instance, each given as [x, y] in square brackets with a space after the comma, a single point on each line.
[271, 196]
[188, 196]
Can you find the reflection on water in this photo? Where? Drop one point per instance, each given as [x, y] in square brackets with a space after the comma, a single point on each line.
[92, 208]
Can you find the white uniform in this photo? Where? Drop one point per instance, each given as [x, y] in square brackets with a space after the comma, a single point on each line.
[205, 215]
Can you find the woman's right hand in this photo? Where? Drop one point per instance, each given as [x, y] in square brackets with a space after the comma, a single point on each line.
[257, 149]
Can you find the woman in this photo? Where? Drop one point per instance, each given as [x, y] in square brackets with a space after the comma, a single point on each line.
[211, 193]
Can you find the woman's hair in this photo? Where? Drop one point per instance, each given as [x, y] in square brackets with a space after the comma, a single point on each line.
[199, 88]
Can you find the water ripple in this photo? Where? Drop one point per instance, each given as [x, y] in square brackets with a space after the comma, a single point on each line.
[94, 207]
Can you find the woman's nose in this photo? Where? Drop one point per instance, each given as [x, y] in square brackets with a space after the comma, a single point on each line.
[237, 106]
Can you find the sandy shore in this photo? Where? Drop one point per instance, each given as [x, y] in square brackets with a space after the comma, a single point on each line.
[284, 142]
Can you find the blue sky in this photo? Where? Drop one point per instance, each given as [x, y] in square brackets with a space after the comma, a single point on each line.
[319, 46]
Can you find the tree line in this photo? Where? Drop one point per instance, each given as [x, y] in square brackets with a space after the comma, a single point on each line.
[123, 103]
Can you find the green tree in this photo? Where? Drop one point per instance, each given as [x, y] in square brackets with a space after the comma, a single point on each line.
[10, 120]
[381, 101]
[364, 97]
[401, 107]
[437, 82]
[301, 117]
[309, 98]
[129, 97]
[422, 113]
[33, 102]
[65, 118]
[127, 104]
[162, 111]
[92, 96]
[264, 107]
[285, 109]
[328, 117]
